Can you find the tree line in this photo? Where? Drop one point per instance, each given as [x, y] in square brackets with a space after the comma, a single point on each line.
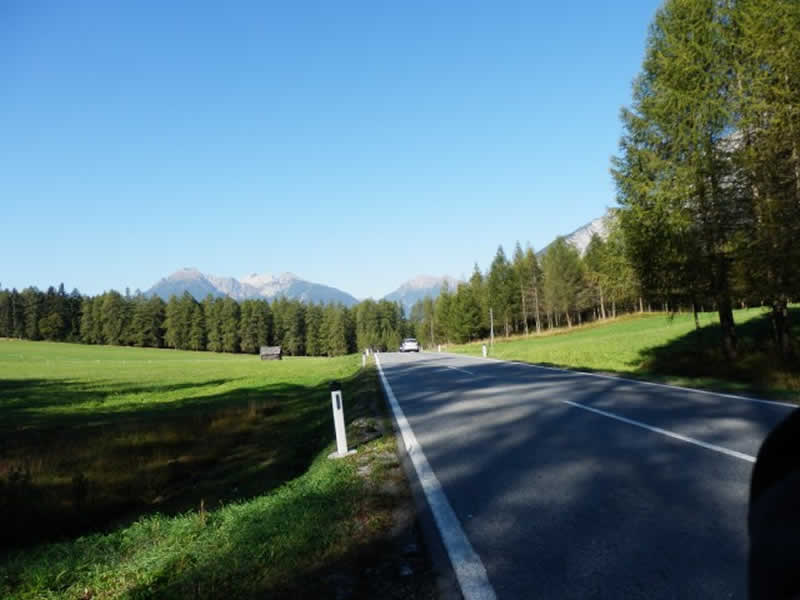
[528, 293]
[215, 324]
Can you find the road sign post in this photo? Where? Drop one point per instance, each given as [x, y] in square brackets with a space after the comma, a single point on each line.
[338, 422]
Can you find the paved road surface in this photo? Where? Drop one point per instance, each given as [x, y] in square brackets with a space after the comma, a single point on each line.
[560, 501]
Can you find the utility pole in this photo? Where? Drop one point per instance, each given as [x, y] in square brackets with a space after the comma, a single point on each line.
[536, 303]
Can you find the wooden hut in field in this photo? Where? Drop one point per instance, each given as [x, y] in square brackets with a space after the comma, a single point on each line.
[270, 353]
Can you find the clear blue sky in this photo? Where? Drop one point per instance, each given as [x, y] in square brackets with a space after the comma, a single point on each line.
[356, 144]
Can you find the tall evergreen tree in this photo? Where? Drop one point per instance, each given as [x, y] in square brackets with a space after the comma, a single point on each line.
[230, 325]
[248, 333]
[32, 301]
[113, 318]
[680, 212]
[197, 330]
[147, 326]
[212, 309]
[767, 147]
[563, 278]
[315, 343]
[6, 318]
[502, 290]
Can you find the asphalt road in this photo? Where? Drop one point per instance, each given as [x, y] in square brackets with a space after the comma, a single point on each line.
[558, 501]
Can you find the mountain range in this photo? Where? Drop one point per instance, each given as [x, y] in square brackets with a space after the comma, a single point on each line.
[418, 288]
[265, 287]
[291, 286]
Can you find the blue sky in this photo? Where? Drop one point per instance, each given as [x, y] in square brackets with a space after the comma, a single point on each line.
[356, 144]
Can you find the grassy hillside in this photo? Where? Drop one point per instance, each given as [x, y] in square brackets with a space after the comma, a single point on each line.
[131, 472]
[664, 348]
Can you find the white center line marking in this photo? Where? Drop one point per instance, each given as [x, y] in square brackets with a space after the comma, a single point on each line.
[630, 380]
[470, 572]
[462, 370]
[671, 434]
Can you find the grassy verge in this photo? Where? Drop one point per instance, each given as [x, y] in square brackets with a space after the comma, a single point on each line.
[156, 474]
[665, 348]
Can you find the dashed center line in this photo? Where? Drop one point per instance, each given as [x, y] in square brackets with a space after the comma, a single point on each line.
[462, 370]
[672, 434]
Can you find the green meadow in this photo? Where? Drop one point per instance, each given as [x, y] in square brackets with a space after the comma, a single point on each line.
[139, 473]
[666, 348]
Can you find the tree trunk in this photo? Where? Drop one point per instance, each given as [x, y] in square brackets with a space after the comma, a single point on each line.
[696, 318]
[524, 308]
[569, 321]
[780, 328]
[725, 310]
[613, 309]
[602, 304]
[641, 305]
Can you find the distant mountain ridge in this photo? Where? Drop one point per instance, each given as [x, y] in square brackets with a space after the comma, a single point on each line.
[581, 237]
[292, 287]
[418, 288]
[254, 286]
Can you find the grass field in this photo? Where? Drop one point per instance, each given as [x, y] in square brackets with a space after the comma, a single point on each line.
[664, 348]
[137, 473]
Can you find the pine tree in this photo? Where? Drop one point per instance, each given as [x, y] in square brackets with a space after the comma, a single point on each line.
[563, 278]
[113, 318]
[248, 332]
[147, 326]
[466, 314]
[6, 318]
[87, 321]
[480, 293]
[767, 147]
[197, 331]
[32, 301]
[503, 291]
[17, 314]
[334, 327]
[596, 263]
[315, 345]
[230, 325]
[212, 309]
[680, 212]
[263, 318]
[295, 328]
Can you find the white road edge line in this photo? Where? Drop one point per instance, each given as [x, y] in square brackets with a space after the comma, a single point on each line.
[469, 570]
[671, 434]
[641, 381]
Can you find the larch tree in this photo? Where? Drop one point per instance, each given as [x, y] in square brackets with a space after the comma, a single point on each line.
[674, 176]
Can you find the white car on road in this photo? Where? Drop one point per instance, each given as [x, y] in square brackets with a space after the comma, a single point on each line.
[409, 345]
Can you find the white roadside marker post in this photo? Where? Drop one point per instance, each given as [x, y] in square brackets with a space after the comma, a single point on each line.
[338, 422]
[484, 351]
[363, 360]
[440, 348]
